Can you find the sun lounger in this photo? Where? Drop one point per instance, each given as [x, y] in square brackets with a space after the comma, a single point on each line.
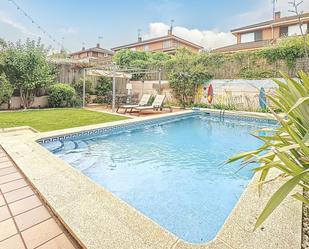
[144, 100]
[156, 105]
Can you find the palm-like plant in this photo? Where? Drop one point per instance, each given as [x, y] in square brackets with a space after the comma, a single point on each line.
[287, 147]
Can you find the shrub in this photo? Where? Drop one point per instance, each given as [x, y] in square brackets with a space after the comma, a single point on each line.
[99, 100]
[104, 87]
[61, 95]
[151, 99]
[6, 90]
[255, 73]
[201, 105]
[76, 101]
[78, 86]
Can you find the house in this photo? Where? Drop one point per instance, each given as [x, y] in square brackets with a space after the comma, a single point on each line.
[97, 54]
[167, 44]
[259, 35]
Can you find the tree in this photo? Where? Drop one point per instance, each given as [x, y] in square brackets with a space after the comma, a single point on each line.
[140, 60]
[6, 90]
[298, 13]
[27, 69]
[185, 75]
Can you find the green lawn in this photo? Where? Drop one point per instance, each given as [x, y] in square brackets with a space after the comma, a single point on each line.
[54, 119]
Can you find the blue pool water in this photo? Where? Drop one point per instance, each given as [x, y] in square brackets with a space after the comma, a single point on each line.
[172, 172]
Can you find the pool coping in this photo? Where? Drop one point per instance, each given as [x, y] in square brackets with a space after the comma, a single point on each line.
[98, 219]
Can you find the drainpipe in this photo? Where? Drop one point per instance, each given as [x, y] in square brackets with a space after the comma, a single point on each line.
[272, 32]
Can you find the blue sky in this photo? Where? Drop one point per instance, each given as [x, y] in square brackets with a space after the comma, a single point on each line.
[77, 22]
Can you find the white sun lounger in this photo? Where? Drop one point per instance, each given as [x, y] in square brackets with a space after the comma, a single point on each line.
[156, 105]
[144, 100]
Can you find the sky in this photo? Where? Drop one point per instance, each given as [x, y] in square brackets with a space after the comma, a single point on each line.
[75, 23]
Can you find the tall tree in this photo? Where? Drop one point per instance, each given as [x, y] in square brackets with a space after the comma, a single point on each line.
[299, 13]
[6, 90]
[26, 68]
[186, 73]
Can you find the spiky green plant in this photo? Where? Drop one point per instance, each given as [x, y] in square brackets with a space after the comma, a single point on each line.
[287, 147]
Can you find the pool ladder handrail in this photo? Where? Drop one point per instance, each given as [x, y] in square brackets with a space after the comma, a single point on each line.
[222, 112]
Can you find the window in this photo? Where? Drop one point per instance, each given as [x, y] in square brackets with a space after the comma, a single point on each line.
[258, 35]
[146, 47]
[247, 37]
[284, 31]
[251, 37]
[133, 49]
[295, 30]
[166, 44]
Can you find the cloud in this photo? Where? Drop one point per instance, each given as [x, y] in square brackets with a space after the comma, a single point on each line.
[16, 25]
[209, 39]
[263, 11]
[70, 30]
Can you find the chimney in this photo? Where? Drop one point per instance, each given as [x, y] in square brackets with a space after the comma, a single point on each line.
[277, 15]
[139, 37]
[83, 49]
[98, 45]
[170, 31]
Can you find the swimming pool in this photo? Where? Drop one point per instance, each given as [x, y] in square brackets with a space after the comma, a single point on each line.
[171, 169]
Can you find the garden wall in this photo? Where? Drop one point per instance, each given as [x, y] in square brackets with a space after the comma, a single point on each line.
[241, 94]
[16, 103]
[231, 69]
[152, 87]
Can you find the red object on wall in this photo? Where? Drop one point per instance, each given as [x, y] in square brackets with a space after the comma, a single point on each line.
[210, 94]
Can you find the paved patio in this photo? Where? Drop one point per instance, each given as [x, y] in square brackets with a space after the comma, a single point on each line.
[144, 113]
[25, 221]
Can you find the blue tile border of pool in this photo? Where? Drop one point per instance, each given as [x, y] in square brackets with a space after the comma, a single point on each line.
[142, 123]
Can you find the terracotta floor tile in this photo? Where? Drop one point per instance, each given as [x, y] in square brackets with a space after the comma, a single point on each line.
[5, 164]
[4, 213]
[41, 233]
[4, 159]
[7, 229]
[10, 177]
[7, 171]
[60, 242]
[18, 194]
[31, 217]
[14, 242]
[6, 187]
[25, 204]
[2, 202]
